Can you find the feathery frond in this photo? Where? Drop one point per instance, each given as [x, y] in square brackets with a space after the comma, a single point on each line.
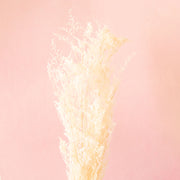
[84, 90]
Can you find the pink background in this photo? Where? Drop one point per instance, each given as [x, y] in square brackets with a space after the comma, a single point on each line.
[146, 141]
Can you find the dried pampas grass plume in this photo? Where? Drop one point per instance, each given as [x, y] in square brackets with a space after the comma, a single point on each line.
[84, 87]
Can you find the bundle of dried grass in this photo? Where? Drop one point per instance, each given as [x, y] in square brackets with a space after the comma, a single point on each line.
[84, 88]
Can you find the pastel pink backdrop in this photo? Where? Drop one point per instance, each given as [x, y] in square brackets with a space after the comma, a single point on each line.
[146, 141]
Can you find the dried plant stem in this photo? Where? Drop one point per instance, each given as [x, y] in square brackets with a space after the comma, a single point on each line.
[84, 89]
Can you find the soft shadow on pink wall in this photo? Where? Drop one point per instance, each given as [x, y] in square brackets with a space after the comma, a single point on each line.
[163, 43]
[145, 144]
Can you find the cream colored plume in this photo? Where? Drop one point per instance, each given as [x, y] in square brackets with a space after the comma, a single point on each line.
[84, 87]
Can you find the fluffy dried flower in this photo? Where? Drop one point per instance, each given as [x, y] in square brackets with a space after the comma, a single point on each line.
[84, 89]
